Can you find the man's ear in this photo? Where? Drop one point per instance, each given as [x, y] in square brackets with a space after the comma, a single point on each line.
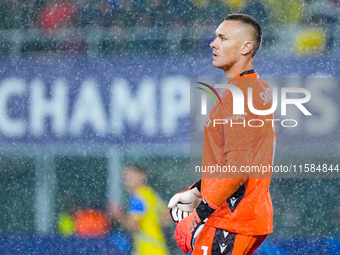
[247, 47]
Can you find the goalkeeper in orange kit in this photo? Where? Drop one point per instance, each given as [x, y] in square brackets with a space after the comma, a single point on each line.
[232, 215]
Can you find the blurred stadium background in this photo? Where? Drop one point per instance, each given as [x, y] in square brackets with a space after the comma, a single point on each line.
[89, 85]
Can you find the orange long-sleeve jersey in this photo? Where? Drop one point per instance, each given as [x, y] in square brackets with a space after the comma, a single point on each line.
[243, 201]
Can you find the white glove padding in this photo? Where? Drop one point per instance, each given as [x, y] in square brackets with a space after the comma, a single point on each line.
[177, 215]
[186, 200]
[184, 203]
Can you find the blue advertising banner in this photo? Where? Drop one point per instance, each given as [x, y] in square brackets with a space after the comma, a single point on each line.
[114, 244]
[121, 100]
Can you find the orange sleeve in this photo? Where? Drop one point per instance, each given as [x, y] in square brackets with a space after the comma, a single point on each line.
[216, 189]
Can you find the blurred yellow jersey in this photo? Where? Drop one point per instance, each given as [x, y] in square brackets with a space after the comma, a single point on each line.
[146, 206]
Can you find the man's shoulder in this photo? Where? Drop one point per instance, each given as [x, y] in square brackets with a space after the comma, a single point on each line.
[148, 194]
[146, 191]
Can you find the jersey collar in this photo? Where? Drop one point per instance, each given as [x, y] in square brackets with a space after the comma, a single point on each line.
[246, 74]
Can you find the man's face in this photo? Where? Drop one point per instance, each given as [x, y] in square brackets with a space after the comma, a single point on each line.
[228, 44]
[132, 179]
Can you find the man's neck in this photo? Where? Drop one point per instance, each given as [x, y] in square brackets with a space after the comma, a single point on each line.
[238, 68]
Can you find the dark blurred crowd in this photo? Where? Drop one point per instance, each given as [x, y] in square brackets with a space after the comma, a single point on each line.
[50, 14]
[311, 25]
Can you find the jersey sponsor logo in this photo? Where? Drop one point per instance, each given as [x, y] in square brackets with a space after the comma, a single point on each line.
[267, 96]
[237, 117]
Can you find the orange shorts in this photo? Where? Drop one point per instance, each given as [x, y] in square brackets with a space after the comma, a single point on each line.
[213, 241]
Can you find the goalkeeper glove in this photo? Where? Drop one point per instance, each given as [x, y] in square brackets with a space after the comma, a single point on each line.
[188, 229]
[185, 202]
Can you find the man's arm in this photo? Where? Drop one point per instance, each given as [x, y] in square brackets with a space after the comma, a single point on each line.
[131, 223]
[214, 192]
[217, 188]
